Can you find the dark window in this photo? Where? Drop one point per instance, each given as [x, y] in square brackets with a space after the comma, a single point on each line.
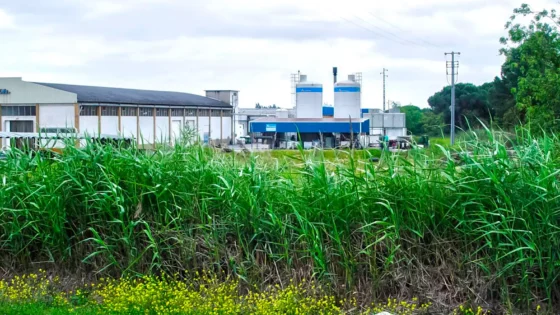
[162, 112]
[146, 111]
[109, 111]
[227, 112]
[88, 110]
[191, 112]
[216, 113]
[177, 112]
[18, 110]
[204, 112]
[128, 111]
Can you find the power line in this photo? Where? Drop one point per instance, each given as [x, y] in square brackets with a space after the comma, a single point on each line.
[400, 29]
[391, 33]
[376, 32]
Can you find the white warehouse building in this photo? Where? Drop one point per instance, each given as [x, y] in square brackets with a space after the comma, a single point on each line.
[148, 116]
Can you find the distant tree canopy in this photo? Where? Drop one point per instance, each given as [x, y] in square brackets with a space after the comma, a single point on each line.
[471, 104]
[259, 106]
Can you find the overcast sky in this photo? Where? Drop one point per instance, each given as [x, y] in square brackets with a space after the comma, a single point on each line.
[254, 45]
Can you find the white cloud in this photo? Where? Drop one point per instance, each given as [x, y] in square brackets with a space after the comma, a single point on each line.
[6, 21]
[255, 45]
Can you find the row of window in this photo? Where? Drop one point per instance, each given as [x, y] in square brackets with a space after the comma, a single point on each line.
[149, 111]
[18, 111]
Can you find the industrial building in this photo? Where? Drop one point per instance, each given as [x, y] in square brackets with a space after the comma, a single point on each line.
[315, 125]
[148, 116]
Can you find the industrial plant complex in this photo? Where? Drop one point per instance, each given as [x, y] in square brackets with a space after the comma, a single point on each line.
[151, 117]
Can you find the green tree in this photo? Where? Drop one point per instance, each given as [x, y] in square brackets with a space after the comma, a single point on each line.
[414, 117]
[533, 54]
[432, 123]
[471, 104]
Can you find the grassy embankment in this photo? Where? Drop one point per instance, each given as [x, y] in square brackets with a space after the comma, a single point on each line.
[481, 226]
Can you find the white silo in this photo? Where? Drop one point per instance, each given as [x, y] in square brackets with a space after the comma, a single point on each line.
[347, 99]
[309, 99]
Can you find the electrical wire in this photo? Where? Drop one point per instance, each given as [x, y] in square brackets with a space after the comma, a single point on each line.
[400, 29]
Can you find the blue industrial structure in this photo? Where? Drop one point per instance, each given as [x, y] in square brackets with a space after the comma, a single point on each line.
[302, 125]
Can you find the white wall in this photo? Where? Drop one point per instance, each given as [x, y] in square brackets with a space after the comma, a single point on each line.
[22, 92]
[146, 130]
[128, 126]
[227, 128]
[215, 128]
[162, 129]
[60, 115]
[110, 125]
[203, 123]
[89, 125]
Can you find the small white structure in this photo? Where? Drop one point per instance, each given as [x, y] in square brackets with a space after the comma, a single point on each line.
[309, 99]
[347, 99]
[391, 124]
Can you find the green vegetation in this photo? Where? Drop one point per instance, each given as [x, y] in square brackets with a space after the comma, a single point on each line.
[525, 93]
[482, 219]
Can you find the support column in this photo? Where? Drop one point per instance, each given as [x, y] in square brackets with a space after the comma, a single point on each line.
[221, 126]
[98, 120]
[77, 123]
[119, 115]
[154, 115]
[197, 126]
[169, 134]
[138, 125]
[37, 118]
[0, 118]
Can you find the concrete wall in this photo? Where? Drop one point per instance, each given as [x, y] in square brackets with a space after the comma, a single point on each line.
[22, 92]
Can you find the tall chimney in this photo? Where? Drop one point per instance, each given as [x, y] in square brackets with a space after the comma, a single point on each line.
[334, 72]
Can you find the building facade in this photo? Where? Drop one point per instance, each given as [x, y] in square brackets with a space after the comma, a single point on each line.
[148, 116]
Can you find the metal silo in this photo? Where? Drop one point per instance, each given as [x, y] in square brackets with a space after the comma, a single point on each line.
[309, 99]
[347, 99]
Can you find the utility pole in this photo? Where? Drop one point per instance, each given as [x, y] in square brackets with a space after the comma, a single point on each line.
[384, 76]
[454, 66]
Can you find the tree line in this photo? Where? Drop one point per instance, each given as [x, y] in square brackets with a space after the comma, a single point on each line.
[527, 91]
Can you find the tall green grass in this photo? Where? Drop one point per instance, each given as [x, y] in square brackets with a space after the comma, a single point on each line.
[480, 224]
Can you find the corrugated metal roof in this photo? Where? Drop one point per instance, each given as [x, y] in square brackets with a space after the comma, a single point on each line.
[98, 94]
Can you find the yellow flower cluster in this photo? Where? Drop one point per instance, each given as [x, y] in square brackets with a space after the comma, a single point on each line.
[207, 295]
[29, 288]
[203, 294]
[463, 310]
